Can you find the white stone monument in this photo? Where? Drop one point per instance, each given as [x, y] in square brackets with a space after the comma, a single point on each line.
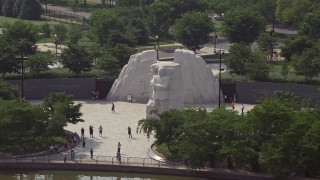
[166, 88]
[198, 83]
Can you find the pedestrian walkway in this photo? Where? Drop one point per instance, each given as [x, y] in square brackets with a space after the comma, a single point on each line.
[115, 128]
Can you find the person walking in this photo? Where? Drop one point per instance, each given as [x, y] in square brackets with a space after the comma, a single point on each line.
[84, 142]
[91, 131]
[82, 133]
[129, 132]
[113, 108]
[72, 154]
[91, 153]
[242, 109]
[100, 131]
[119, 147]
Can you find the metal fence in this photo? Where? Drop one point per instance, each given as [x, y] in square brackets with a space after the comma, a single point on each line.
[65, 17]
[86, 159]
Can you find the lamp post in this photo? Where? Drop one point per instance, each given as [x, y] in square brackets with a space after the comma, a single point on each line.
[56, 43]
[220, 53]
[22, 58]
[157, 46]
[215, 42]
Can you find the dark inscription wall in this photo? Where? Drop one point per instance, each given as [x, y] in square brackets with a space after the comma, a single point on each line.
[38, 88]
[251, 92]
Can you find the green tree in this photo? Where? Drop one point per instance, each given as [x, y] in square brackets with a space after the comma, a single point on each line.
[30, 9]
[16, 7]
[7, 91]
[242, 25]
[238, 57]
[74, 5]
[295, 46]
[257, 67]
[21, 31]
[307, 64]
[310, 25]
[140, 31]
[109, 64]
[39, 62]
[104, 22]
[76, 59]
[45, 28]
[1, 2]
[117, 37]
[8, 61]
[61, 104]
[193, 30]
[122, 52]
[7, 8]
[74, 34]
[267, 43]
[157, 18]
[61, 31]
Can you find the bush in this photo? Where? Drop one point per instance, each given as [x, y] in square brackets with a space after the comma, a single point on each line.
[30, 9]
[46, 29]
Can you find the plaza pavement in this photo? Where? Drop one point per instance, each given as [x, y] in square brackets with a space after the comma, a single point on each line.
[98, 112]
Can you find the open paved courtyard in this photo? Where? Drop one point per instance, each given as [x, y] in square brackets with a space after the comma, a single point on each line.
[115, 126]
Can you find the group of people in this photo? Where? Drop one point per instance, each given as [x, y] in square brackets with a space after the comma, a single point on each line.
[95, 95]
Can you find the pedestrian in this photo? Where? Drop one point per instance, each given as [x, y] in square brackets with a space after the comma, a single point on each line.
[235, 97]
[129, 132]
[119, 147]
[119, 157]
[233, 105]
[91, 153]
[65, 159]
[72, 154]
[112, 108]
[83, 143]
[100, 131]
[91, 131]
[242, 109]
[82, 133]
[65, 146]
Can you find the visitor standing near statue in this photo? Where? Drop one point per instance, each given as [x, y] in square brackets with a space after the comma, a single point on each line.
[129, 132]
[82, 133]
[100, 131]
[119, 147]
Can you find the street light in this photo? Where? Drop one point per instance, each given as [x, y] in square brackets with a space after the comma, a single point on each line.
[22, 58]
[157, 46]
[220, 53]
[56, 43]
[215, 42]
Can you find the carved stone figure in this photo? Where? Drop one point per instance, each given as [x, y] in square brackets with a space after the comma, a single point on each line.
[166, 87]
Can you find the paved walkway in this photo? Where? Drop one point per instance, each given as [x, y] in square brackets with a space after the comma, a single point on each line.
[115, 126]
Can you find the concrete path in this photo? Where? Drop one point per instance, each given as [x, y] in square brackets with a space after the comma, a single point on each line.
[115, 126]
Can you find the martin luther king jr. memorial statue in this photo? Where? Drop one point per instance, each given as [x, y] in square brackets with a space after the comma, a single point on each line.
[164, 85]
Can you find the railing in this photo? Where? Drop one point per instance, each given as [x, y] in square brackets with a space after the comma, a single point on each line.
[65, 17]
[86, 159]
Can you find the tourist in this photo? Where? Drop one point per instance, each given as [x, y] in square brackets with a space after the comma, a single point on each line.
[91, 131]
[119, 147]
[65, 159]
[91, 153]
[129, 132]
[100, 131]
[82, 133]
[242, 109]
[112, 108]
[72, 154]
[83, 143]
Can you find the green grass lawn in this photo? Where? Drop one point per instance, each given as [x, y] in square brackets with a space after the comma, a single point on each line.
[4, 20]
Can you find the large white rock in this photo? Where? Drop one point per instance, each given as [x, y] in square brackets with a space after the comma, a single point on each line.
[134, 78]
[199, 85]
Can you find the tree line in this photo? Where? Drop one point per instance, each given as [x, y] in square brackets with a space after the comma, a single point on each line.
[280, 136]
[23, 9]
[27, 128]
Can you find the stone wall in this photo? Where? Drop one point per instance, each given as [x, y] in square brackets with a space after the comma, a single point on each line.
[251, 92]
[39, 88]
